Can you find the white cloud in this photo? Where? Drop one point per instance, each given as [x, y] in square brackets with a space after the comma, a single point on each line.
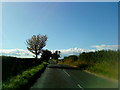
[27, 54]
[72, 51]
[64, 52]
[105, 47]
[16, 53]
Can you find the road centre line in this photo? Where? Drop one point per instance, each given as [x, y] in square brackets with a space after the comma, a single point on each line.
[80, 86]
[69, 76]
[66, 73]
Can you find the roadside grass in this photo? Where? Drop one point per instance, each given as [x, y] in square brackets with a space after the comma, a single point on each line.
[23, 78]
[105, 69]
[54, 60]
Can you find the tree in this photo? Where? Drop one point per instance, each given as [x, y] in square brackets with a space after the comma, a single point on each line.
[46, 54]
[36, 43]
[73, 57]
[56, 55]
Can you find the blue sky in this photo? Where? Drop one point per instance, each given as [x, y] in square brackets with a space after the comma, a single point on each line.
[67, 25]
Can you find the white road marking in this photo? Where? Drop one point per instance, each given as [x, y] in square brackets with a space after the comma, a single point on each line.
[66, 73]
[77, 84]
[80, 86]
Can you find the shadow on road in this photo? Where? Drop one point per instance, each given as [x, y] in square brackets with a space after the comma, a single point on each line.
[63, 66]
[60, 66]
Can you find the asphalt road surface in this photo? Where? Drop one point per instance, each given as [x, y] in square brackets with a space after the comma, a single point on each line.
[62, 76]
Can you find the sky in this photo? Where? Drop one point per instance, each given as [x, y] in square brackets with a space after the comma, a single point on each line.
[67, 25]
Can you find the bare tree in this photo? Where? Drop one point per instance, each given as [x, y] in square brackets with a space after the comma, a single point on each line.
[36, 43]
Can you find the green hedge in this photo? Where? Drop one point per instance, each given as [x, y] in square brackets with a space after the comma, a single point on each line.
[23, 78]
[12, 66]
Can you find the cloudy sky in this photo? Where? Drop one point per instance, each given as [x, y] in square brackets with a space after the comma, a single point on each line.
[71, 27]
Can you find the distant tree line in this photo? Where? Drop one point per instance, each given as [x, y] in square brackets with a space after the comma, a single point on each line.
[46, 55]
